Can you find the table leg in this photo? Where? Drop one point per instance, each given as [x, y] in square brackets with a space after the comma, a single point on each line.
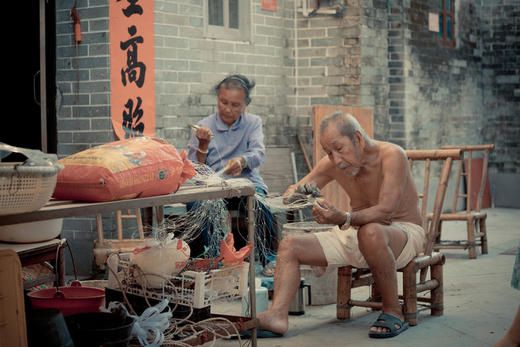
[252, 285]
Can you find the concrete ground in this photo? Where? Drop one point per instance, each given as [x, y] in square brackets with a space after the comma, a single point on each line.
[479, 302]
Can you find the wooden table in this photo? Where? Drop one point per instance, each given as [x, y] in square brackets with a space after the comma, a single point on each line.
[187, 193]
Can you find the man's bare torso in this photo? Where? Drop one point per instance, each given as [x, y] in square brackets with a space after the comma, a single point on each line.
[364, 188]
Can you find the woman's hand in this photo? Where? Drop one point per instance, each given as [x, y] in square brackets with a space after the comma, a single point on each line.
[325, 213]
[235, 166]
[204, 136]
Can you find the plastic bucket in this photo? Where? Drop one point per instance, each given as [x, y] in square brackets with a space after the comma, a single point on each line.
[68, 300]
[100, 329]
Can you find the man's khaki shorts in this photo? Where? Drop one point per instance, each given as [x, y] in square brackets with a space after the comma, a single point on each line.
[341, 247]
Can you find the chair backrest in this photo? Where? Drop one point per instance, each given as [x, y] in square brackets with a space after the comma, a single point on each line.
[446, 156]
[473, 198]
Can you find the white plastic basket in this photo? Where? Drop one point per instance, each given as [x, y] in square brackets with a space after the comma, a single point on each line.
[25, 188]
[190, 288]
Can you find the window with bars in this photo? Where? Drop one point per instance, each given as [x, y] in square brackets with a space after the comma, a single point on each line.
[227, 19]
[446, 22]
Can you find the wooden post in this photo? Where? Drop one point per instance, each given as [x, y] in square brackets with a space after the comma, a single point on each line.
[99, 224]
[139, 220]
[252, 284]
[119, 221]
[457, 186]
[469, 188]
[410, 293]
[437, 301]
[483, 239]
[343, 295]
[483, 179]
[471, 236]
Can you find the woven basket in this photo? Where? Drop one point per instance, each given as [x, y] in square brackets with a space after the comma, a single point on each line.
[25, 188]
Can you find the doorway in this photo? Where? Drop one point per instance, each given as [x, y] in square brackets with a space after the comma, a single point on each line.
[28, 114]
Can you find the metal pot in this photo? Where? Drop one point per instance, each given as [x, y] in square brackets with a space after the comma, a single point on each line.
[297, 306]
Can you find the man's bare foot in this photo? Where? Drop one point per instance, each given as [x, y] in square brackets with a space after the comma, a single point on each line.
[272, 321]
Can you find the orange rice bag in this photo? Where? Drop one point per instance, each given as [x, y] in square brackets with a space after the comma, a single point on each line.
[131, 168]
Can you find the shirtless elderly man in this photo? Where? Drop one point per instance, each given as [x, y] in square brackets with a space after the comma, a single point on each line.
[382, 231]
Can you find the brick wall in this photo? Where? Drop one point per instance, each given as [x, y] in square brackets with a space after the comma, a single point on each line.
[373, 60]
[501, 76]
[438, 91]
[188, 66]
[465, 94]
[395, 129]
[83, 110]
[327, 71]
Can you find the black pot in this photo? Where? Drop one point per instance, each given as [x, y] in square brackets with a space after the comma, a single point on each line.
[94, 329]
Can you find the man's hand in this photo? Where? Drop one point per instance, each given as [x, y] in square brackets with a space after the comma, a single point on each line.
[325, 213]
[300, 193]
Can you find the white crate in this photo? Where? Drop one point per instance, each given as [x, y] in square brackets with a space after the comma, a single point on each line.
[190, 288]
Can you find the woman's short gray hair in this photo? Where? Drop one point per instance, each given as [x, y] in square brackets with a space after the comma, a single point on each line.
[237, 81]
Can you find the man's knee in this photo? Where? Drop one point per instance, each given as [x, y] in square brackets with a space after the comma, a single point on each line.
[291, 248]
[286, 246]
[370, 236]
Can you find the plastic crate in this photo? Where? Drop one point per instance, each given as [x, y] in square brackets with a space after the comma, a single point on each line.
[191, 288]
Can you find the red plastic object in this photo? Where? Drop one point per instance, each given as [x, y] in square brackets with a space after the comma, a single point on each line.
[69, 300]
[476, 176]
[230, 256]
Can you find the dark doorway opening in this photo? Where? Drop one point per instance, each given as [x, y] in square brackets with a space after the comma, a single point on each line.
[23, 126]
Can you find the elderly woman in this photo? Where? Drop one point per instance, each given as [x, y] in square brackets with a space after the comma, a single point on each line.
[232, 140]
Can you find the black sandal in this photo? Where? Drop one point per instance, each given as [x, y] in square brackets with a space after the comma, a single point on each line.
[388, 322]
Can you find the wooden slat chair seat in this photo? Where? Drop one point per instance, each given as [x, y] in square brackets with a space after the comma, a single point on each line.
[351, 277]
[475, 218]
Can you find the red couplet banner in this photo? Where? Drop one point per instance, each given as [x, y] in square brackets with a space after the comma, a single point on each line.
[270, 5]
[132, 67]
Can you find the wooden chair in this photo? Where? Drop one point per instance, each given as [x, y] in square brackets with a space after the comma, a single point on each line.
[473, 197]
[350, 277]
[104, 247]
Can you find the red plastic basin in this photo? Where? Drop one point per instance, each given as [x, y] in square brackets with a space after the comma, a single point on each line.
[68, 300]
